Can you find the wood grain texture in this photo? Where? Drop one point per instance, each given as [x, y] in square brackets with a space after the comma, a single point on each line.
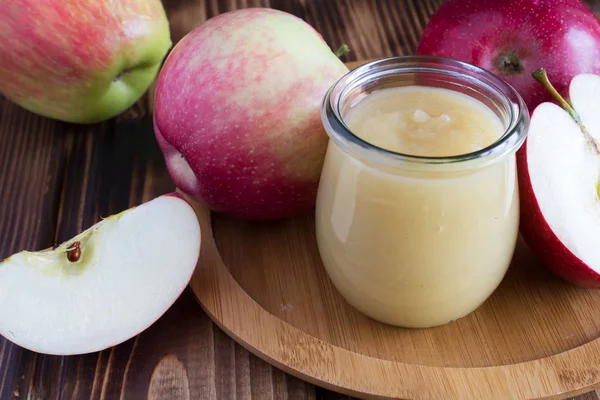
[532, 315]
[56, 179]
[263, 283]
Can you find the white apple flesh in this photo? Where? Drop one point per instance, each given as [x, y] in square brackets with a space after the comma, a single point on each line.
[131, 268]
[559, 169]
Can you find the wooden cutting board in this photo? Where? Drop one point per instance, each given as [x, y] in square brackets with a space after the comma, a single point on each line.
[265, 286]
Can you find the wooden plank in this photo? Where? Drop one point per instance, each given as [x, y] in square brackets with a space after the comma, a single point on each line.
[32, 152]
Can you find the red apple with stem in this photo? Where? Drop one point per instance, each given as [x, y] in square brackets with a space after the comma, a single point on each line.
[559, 167]
[513, 38]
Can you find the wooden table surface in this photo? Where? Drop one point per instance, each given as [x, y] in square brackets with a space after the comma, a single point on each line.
[57, 179]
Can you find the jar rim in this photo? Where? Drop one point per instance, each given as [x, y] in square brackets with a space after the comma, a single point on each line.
[509, 142]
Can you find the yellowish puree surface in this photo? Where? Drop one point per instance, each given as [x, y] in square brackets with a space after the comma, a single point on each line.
[420, 248]
[424, 121]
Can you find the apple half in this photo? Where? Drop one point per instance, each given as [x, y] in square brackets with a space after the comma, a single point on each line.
[559, 167]
[105, 285]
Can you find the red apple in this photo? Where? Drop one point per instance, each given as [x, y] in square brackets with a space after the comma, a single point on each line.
[559, 168]
[80, 61]
[513, 38]
[237, 112]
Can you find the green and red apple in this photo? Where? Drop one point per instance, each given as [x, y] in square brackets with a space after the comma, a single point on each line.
[80, 61]
[237, 112]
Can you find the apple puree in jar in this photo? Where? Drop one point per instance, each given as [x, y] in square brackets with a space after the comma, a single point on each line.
[412, 247]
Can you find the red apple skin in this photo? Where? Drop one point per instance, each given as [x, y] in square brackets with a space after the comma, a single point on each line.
[237, 113]
[80, 61]
[562, 36]
[540, 238]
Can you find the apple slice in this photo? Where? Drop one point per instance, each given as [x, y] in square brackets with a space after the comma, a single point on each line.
[559, 169]
[105, 285]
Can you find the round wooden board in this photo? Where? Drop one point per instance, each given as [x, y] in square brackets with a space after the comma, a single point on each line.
[264, 285]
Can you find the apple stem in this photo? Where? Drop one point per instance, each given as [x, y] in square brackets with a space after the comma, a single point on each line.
[342, 51]
[541, 76]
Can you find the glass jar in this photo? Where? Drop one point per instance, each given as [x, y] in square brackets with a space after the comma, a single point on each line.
[418, 241]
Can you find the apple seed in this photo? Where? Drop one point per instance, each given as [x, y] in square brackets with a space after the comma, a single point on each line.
[74, 252]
